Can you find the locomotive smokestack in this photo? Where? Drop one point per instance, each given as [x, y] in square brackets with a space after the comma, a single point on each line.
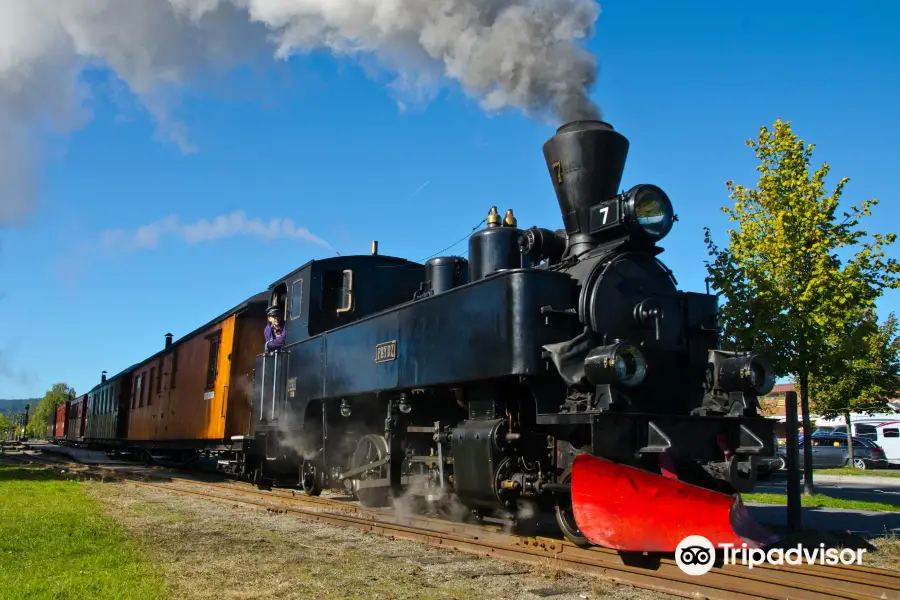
[103, 377]
[586, 160]
[168, 340]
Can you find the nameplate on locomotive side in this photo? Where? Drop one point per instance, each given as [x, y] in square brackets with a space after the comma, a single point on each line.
[291, 386]
[386, 351]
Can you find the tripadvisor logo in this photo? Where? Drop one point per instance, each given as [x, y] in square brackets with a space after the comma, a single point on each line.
[695, 555]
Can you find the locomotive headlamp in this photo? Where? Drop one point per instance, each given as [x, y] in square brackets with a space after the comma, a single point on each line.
[346, 408]
[643, 212]
[648, 212]
[621, 363]
[747, 373]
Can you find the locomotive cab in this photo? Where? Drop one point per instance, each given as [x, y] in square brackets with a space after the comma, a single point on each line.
[322, 295]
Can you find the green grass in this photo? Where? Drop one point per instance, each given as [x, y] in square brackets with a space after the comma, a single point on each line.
[822, 501]
[56, 543]
[852, 471]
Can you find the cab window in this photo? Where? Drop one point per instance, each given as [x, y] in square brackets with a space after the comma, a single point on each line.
[296, 299]
[338, 291]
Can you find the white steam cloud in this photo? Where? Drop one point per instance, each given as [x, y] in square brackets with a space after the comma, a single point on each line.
[225, 226]
[521, 54]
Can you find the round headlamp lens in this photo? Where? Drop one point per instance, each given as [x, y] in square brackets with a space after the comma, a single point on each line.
[630, 366]
[653, 211]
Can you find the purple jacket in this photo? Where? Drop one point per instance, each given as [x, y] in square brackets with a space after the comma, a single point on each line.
[274, 341]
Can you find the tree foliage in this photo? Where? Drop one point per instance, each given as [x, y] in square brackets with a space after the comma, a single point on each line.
[59, 394]
[864, 371]
[4, 423]
[788, 293]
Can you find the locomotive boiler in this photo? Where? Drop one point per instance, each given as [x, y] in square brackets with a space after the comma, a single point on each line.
[553, 371]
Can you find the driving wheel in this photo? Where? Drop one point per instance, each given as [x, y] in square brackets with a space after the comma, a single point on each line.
[565, 516]
[371, 449]
[311, 478]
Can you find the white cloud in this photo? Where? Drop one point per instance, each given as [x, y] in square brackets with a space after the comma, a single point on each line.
[224, 226]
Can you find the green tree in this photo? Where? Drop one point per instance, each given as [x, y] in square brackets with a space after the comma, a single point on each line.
[60, 393]
[787, 291]
[4, 423]
[864, 374]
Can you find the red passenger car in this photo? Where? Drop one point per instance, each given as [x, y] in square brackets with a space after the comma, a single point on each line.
[62, 421]
[76, 420]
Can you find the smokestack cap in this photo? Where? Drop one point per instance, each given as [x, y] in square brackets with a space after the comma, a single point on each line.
[584, 125]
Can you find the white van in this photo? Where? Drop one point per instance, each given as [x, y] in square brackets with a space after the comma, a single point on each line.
[839, 422]
[887, 435]
[884, 432]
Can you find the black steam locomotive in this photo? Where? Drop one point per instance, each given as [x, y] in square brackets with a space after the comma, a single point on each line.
[482, 380]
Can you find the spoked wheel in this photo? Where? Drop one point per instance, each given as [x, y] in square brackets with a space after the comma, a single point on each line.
[860, 463]
[565, 516]
[371, 448]
[311, 478]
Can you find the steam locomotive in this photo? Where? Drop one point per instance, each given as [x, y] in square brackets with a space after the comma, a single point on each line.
[557, 369]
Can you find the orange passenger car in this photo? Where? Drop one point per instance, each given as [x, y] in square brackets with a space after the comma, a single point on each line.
[199, 388]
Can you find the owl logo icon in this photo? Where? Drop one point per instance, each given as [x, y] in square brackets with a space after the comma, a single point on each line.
[695, 555]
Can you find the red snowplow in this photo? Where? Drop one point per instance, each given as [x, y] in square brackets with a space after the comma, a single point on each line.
[621, 507]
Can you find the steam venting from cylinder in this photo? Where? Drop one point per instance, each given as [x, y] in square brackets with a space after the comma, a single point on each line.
[586, 160]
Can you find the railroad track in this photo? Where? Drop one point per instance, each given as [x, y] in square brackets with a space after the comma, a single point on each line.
[727, 582]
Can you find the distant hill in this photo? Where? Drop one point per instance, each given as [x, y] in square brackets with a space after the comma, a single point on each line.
[9, 407]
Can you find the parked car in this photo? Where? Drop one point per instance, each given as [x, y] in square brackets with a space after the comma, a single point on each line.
[831, 452]
[769, 464]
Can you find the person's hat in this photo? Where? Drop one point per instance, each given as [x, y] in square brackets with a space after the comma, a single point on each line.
[273, 311]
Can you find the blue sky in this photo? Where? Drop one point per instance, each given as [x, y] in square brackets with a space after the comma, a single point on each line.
[320, 142]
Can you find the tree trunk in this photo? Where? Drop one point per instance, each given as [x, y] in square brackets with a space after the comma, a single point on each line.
[807, 434]
[849, 436]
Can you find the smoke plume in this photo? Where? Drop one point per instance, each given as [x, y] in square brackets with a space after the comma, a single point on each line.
[520, 54]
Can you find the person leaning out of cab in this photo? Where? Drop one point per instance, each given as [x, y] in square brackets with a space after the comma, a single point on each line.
[274, 330]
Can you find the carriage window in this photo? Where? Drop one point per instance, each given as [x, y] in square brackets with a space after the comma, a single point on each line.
[297, 299]
[212, 367]
[149, 388]
[159, 377]
[174, 369]
[892, 433]
[138, 389]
